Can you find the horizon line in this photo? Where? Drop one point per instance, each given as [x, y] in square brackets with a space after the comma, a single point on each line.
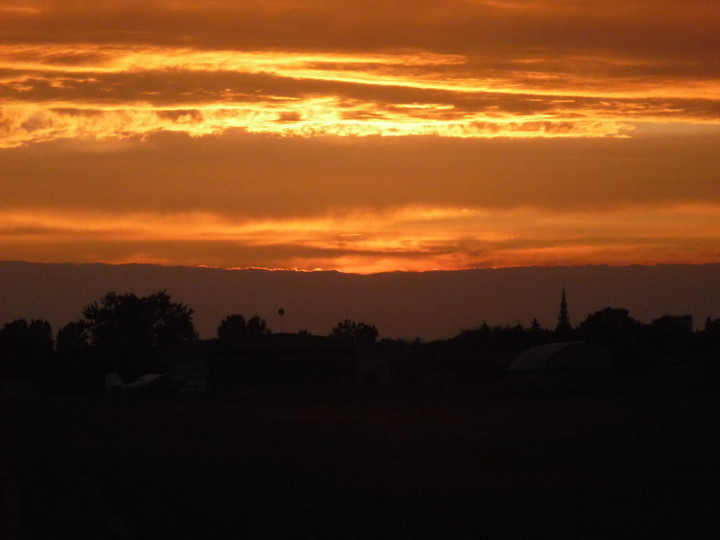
[331, 270]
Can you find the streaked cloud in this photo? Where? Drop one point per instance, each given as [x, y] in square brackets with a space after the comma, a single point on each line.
[527, 83]
[438, 135]
[411, 238]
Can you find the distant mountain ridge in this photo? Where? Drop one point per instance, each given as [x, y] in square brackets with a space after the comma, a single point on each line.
[430, 305]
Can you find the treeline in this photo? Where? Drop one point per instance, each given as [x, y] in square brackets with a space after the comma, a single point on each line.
[630, 346]
[128, 334]
[135, 335]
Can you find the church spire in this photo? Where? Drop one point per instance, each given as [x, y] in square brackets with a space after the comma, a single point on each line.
[564, 319]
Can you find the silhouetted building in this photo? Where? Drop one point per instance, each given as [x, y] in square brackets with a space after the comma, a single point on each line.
[712, 325]
[569, 366]
[566, 355]
[564, 319]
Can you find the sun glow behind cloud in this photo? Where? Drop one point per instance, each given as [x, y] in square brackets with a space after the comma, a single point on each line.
[412, 238]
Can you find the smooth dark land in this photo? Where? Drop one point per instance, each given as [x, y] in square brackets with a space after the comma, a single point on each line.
[635, 459]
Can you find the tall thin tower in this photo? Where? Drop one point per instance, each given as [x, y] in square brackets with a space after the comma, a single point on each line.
[564, 319]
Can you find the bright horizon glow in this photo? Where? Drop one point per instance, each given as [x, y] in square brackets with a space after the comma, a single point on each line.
[404, 239]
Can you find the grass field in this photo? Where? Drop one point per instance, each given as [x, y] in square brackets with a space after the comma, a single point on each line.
[476, 461]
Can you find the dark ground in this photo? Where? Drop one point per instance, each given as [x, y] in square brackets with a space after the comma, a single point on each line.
[475, 460]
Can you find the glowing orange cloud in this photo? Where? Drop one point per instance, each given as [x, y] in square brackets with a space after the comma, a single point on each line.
[62, 92]
[406, 238]
[302, 134]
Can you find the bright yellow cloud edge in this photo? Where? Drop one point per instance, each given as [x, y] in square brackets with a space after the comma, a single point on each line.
[27, 118]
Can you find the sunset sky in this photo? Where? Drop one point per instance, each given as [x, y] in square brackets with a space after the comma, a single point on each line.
[360, 136]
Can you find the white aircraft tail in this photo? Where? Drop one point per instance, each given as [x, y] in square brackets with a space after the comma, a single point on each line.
[113, 382]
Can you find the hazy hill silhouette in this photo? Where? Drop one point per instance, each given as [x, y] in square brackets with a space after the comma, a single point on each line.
[401, 304]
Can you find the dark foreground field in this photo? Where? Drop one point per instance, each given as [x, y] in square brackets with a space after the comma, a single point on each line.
[476, 461]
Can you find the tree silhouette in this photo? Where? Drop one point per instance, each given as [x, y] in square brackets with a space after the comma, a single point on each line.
[257, 326]
[25, 347]
[77, 367]
[128, 324]
[232, 327]
[608, 323]
[235, 327]
[350, 332]
[73, 337]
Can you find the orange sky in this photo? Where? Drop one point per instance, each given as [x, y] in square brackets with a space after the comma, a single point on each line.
[364, 136]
